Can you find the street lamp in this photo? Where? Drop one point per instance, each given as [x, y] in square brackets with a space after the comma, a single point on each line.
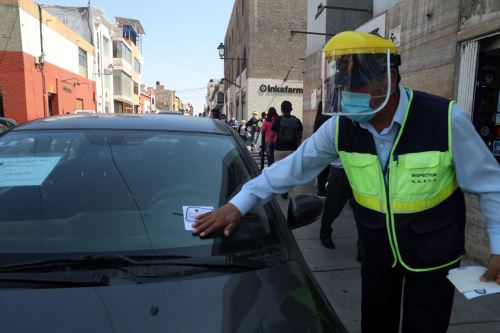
[322, 7]
[222, 50]
[222, 55]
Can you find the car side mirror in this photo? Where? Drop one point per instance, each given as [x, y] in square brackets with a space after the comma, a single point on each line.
[303, 210]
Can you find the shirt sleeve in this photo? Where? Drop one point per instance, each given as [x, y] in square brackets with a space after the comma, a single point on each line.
[477, 172]
[312, 156]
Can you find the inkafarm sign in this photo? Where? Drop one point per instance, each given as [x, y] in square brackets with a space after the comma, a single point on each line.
[284, 90]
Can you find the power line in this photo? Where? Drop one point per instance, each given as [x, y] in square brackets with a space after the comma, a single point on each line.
[192, 89]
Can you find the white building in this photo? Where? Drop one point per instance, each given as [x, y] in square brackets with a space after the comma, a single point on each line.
[98, 31]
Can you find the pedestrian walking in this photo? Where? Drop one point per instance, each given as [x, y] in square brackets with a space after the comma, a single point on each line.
[408, 156]
[338, 193]
[253, 130]
[266, 130]
[242, 130]
[288, 130]
[233, 123]
[322, 178]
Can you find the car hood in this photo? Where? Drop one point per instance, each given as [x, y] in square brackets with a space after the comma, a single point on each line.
[277, 299]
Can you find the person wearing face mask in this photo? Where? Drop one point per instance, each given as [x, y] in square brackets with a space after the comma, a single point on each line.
[408, 156]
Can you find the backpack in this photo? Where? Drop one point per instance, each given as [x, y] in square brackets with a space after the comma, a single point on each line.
[242, 130]
[289, 130]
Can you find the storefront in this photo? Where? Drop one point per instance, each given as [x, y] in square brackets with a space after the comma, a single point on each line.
[486, 112]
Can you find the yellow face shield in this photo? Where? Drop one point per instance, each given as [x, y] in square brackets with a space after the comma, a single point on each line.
[356, 75]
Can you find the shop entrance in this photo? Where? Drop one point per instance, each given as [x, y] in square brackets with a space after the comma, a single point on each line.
[486, 116]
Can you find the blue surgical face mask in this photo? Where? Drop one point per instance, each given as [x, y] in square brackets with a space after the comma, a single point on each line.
[353, 102]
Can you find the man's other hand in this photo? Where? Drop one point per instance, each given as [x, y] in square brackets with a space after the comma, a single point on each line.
[493, 271]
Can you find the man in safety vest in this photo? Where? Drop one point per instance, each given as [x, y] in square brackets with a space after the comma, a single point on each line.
[408, 156]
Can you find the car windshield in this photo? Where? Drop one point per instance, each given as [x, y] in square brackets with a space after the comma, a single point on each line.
[102, 191]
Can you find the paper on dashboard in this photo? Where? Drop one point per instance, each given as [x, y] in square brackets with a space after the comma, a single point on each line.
[26, 171]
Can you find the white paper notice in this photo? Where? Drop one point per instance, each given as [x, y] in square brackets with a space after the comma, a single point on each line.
[466, 280]
[26, 171]
[481, 292]
[190, 213]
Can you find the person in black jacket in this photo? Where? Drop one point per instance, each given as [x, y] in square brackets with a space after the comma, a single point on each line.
[289, 129]
[323, 176]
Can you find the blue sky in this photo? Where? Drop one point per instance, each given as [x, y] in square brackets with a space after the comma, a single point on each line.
[180, 45]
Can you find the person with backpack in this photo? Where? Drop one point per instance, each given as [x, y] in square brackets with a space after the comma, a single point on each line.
[253, 129]
[289, 129]
[242, 130]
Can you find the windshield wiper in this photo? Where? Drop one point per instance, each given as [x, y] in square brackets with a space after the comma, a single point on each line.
[120, 261]
[100, 261]
[60, 279]
[216, 261]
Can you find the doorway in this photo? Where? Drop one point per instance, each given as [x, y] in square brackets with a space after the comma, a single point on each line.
[486, 116]
[79, 104]
[53, 104]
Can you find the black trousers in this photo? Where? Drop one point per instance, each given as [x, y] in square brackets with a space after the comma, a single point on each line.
[427, 299]
[339, 191]
[323, 178]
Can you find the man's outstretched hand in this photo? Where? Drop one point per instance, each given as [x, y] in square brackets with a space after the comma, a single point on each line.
[493, 272]
[227, 217]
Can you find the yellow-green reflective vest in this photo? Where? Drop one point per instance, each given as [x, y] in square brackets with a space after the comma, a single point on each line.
[417, 217]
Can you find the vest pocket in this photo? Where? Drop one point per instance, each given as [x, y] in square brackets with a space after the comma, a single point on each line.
[363, 173]
[436, 236]
[421, 174]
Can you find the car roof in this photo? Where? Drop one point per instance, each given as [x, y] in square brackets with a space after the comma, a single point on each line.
[12, 122]
[123, 121]
[168, 112]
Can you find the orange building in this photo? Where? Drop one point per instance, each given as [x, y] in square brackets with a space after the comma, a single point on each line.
[44, 66]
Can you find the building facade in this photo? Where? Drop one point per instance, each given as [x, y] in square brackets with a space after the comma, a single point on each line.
[447, 48]
[166, 99]
[46, 68]
[215, 95]
[95, 28]
[147, 100]
[127, 64]
[263, 63]
[320, 28]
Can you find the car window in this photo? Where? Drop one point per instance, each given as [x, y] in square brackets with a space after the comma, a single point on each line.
[120, 191]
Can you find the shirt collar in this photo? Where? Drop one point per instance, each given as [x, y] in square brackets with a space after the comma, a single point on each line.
[400, 114]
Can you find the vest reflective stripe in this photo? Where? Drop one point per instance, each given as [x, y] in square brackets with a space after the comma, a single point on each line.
[401, 207]
[418, 181]
[370, 202]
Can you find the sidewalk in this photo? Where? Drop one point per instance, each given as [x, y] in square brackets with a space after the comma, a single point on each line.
[338, 273]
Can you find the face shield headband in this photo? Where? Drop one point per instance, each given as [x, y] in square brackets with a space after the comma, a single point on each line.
[350, 82]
